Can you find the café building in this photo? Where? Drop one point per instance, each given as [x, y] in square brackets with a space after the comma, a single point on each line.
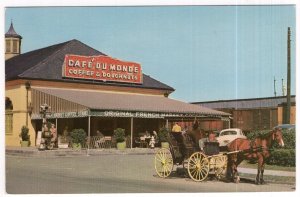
[85, 88]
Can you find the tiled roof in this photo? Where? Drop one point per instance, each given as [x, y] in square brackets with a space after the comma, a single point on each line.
[129, 102]
[46, 64]
[246, 103]
[12, 33]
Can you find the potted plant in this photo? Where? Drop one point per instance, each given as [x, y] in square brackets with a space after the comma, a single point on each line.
[25, 138]
[163, 136]
[119, 135]
[78, 137]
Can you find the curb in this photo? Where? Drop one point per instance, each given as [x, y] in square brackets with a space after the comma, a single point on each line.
[32, 152]
[267, 172]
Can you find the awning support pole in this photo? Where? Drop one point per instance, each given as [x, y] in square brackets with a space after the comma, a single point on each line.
[131, 132]
[89, 134]
[56, 128]
[167, 123]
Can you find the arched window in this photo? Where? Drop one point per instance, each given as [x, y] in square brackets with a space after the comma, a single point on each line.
[8, 116]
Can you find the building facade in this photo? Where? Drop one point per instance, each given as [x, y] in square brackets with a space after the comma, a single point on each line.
[85, 88]
[256, 113]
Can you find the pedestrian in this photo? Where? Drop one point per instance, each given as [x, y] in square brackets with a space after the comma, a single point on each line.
[53, 133]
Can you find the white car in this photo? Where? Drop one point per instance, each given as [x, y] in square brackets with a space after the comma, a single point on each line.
[228, 135]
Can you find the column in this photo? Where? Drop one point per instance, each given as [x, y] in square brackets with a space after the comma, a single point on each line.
[131, 131]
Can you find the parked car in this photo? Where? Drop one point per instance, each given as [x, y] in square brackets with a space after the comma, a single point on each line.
[288, 127]
[228, 135]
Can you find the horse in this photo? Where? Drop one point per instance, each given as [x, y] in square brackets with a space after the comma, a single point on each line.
[257, 149]
[196, 135]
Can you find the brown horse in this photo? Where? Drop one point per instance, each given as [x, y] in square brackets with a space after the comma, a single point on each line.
[257, 149]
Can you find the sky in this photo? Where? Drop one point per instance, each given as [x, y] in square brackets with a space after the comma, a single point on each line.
[205, 53]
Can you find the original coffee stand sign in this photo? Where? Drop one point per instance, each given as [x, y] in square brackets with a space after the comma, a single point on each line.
[101, 68]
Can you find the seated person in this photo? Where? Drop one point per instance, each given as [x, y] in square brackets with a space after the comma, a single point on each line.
[176, 128]
[211, 138]
[147, 135]
[101, 140]
[155, 136]
[201, 142]
[98, 133]
[155, 133]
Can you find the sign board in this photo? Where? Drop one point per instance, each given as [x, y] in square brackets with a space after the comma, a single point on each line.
[102, 68]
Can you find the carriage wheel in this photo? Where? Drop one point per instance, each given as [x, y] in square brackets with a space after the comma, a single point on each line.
[163, 162]
[198, 166]
[221, 165]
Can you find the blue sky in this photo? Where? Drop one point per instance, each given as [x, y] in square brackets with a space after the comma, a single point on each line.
[204, 52]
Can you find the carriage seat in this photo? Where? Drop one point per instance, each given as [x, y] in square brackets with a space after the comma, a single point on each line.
[211, 148]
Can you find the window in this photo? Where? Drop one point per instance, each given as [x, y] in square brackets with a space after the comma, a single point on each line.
[8, 116]
[15, 46]
[228, 133]
[8, 104]
[8, 122]
[7, 42]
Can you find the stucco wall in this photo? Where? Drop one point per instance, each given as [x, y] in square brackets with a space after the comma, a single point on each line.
[17, 95]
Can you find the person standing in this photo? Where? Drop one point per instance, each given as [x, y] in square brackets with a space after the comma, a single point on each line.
[54, 133]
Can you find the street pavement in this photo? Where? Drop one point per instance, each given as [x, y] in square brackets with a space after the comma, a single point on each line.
[34, 152]
[111, 173]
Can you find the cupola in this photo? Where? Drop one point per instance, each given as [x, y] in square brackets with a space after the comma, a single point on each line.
[12, 43]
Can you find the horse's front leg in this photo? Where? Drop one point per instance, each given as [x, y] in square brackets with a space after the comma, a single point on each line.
[236, 177]
[261, 180]
[257, 176]
[259, 169]
[229, 174]
[235, 173]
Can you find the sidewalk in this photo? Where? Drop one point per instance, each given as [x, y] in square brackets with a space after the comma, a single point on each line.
[34, 152]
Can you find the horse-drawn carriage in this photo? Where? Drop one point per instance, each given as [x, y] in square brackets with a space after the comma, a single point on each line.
[184, 150]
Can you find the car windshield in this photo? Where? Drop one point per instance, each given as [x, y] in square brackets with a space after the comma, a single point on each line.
[286, 126]
[230, 132]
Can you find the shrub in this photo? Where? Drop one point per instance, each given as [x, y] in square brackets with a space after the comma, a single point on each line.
[282, 157]
[254, 134]
[163, 134]
[119, 135]
[289, 138]
[78, 136]
[24, 133]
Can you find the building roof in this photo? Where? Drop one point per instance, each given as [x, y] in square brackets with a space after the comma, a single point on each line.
[46, 64]
[12, 33]
[250, 103]
[128, 102]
